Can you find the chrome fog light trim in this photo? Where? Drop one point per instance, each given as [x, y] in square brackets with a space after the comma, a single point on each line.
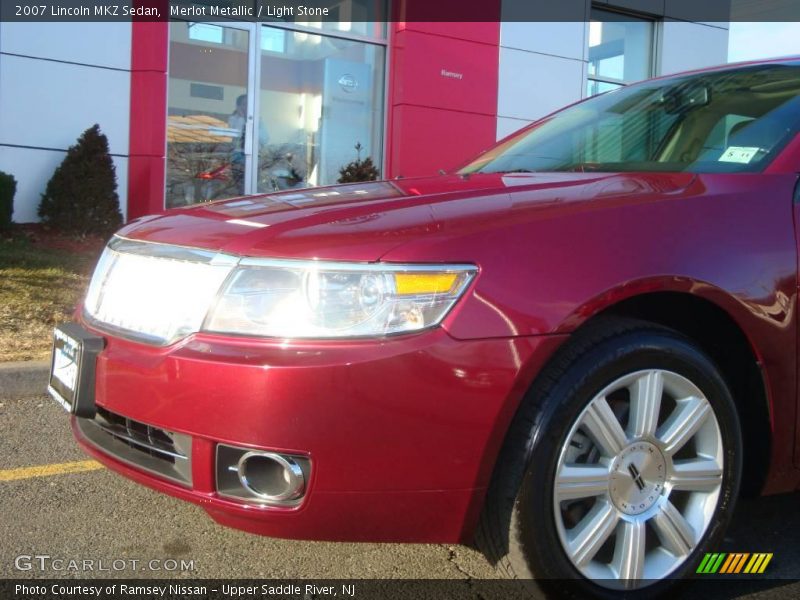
[261, 477]
[270, 476]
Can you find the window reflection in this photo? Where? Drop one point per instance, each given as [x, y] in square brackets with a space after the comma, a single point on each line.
[208, 71]
[258, 108]
[319, 97]
[620, 50]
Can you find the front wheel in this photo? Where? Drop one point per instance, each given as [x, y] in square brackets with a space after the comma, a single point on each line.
[620, 469]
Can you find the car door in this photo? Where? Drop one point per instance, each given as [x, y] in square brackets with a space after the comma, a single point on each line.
[789, 161]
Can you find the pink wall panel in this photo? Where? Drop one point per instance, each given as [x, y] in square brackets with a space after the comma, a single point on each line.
[145, 185]
[427, 139]
[475, 31]
[148, 126]
[443, 92]
[445, 72]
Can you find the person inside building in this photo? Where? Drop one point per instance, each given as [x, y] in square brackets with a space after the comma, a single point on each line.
[238, 122]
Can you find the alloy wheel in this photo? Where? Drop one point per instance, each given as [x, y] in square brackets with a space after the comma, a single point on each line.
[638, 479]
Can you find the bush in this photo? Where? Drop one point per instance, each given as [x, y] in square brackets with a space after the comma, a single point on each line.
[81, 197]
[8, 187]
[358, 170]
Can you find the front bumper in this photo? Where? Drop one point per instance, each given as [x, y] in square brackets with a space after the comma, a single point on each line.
[401, 433]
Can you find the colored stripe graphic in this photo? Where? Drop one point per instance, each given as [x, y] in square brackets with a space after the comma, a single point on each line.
[741, 562]
[733, 563]
[702, 566]
[735, 560]
[718, 562]
[730, 561]
[764, 564]
[758, 563]
[711, 562]
[752, 564]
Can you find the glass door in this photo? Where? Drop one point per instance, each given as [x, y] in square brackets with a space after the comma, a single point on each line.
[319, 106]
[255, 108]
[210, 110]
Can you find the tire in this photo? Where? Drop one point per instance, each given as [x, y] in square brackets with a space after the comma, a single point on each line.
[642, 487]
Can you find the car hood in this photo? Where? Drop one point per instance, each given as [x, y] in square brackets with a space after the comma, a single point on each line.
[365, 221]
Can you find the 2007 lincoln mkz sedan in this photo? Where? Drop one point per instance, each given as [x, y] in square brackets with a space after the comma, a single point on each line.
[578, 349]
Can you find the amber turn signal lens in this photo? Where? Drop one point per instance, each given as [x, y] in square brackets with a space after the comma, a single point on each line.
[424, 283]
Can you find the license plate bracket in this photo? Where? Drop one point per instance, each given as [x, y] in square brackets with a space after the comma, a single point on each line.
[72, 368]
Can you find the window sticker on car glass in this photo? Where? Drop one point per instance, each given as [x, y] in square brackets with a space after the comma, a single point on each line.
[739, 154]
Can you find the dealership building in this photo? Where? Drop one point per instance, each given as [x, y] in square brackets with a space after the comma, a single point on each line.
[196, 111]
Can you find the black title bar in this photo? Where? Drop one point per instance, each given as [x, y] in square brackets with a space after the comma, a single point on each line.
[393, 10]
[720, 588]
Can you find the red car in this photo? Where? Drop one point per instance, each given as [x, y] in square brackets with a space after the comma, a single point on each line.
[578, 349]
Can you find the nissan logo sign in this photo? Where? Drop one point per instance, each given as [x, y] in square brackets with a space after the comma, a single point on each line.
[348, 83]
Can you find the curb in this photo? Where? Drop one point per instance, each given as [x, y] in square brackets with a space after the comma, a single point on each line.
[23, 378]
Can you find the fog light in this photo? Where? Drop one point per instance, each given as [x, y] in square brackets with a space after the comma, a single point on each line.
[270, 476]
[261, 476]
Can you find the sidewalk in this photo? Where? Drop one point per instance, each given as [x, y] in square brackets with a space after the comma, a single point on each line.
[23, 378]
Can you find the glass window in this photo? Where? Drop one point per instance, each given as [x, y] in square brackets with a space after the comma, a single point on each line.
[620, 50]
[319, 98]
[203, 32]
[257, 108]
[273, 39]
[208, 78]
[734, 120]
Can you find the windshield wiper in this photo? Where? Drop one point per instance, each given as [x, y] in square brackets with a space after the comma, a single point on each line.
[585, 167]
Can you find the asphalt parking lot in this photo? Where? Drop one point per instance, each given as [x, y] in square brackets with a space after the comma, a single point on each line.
[92, 513]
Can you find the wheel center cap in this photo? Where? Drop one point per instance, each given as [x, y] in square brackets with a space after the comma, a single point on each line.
[637, 478]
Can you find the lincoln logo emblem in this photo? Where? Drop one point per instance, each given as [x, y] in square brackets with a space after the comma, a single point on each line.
[637, 477]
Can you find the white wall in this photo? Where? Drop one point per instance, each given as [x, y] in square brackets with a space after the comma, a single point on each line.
[686, 46]
[57, 80]
[541, 69]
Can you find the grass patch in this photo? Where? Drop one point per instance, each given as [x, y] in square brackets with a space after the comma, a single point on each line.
[41, 285]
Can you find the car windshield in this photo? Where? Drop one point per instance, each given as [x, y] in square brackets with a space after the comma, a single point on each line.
[735, 120]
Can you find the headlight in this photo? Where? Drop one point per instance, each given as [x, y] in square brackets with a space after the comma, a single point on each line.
[309, 299]
[155, 292]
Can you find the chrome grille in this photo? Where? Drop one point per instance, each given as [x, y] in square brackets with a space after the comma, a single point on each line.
[156, 442]
[159, 451]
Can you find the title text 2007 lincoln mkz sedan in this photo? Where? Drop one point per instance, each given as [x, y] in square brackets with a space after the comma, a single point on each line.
[579, 349]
